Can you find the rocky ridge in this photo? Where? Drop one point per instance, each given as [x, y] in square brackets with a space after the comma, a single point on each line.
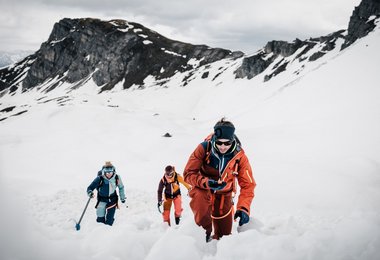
[107, 52]
[120, 52]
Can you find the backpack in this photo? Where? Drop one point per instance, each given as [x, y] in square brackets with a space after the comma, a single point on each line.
[165, 182]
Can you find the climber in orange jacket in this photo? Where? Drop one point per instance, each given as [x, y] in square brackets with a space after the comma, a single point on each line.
[169, 185]
[212, 171]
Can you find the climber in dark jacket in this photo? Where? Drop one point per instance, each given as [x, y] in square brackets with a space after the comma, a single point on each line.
[169, 185]
[106, 184]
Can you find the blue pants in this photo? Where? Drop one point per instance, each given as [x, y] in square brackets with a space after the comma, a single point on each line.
[105, 215]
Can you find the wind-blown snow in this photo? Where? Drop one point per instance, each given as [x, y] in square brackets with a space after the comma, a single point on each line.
[313, 141]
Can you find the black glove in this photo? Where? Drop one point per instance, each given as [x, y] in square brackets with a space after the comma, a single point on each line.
[159, 205]
[214, 185]
[90, 193]
[244, 218]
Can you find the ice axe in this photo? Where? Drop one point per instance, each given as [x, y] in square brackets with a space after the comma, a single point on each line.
[77, 225]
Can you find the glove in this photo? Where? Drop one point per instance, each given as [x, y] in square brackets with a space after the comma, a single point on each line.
[90, 194]
[244, 218]
[159, 205]
[214, 185]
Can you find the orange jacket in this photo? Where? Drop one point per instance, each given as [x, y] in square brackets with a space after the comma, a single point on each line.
[197, 172]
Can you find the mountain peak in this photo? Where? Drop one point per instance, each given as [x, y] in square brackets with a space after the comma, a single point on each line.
[109, 52]
[123, 53]
[362, 20]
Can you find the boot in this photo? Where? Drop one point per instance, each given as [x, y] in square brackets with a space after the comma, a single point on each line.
[177, 219]
[101, 220]
[109, 221]
[208, 237]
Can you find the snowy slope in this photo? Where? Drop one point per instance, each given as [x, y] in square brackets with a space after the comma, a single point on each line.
[313, 141]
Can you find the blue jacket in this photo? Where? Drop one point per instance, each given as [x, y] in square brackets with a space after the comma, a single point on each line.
[107, 187]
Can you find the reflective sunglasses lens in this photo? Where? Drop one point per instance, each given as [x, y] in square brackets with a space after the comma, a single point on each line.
[170, 174]
[227, 143]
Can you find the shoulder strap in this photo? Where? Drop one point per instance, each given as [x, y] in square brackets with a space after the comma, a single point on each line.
[176, 178]
[101, 181]
[117, 179]
[236, 165]
[208, 152]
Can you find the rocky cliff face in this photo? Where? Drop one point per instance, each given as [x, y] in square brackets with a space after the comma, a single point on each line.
[362, 20]
[108, 52]
[280, 50]
[121, 52]
[361, 23]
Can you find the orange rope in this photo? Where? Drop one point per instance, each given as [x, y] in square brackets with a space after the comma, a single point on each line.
[213, 217]
[114, 205]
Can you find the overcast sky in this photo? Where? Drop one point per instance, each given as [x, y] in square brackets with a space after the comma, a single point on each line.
[245, 25]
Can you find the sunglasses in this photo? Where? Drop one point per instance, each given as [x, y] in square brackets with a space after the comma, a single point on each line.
[170, 174]
[226, 143]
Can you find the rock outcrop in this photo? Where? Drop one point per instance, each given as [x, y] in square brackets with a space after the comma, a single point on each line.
[108, 52]
[362, 20]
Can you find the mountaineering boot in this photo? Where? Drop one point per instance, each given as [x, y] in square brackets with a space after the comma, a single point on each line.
[109, 221]
[101, 220]
[208, 238]
[177, 219]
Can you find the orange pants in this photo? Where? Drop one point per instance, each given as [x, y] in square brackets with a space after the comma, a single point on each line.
[177, 208]
[212, 210]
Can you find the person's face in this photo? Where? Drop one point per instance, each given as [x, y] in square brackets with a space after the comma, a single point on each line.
[223, 145]
[109, 174]
[169, 174]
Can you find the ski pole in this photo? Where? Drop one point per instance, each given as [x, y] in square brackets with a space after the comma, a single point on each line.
[77, 226]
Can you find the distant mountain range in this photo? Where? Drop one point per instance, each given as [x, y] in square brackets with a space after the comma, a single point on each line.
[126, 54]
[11, 57]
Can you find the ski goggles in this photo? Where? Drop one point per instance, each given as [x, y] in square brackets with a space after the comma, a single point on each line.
[108, 169]
[226, 143]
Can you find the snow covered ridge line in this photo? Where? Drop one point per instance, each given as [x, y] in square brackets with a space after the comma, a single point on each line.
[278, 55]
[111, 55]
[119, 52]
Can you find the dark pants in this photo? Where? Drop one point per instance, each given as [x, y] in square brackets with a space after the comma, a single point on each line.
[105, 214]
[212, 210]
